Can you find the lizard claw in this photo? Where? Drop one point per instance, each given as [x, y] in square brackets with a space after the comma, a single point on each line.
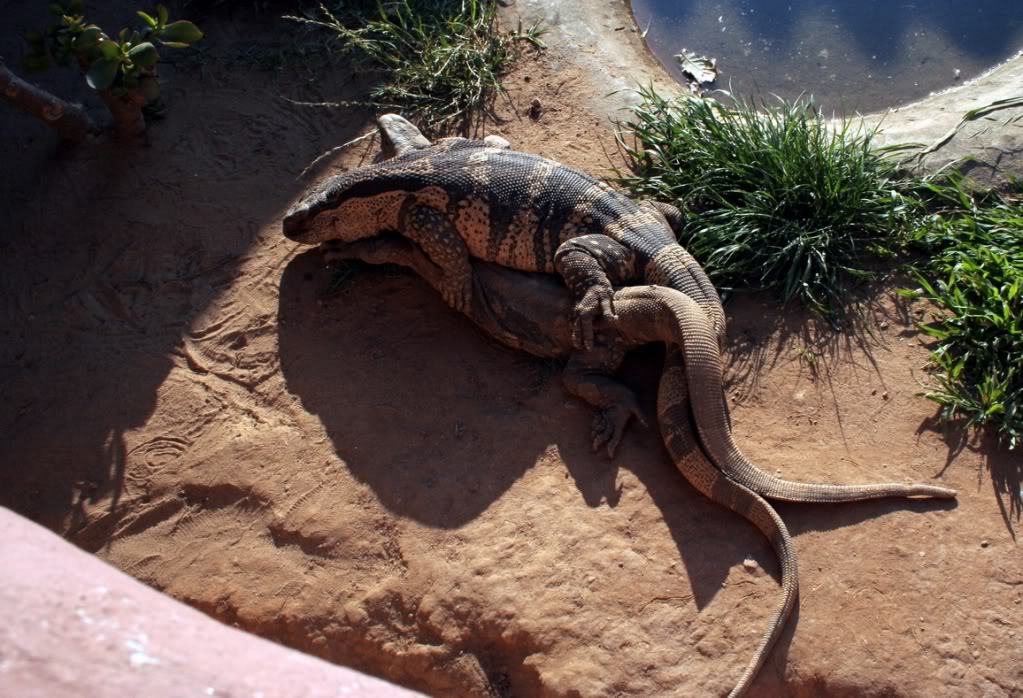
[609, 426]
[598, 301]
[458, 294]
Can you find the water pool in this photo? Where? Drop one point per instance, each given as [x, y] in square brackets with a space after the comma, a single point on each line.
[851, 55]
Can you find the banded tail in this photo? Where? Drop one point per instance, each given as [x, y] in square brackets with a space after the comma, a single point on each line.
[699, 342]
[673, 415]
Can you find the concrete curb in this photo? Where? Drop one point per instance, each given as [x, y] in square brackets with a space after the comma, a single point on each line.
[601, 38]
[75, 626]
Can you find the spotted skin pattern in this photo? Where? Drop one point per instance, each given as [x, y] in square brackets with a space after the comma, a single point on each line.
[531, 312]
[592, 245]
[439, 239]
[514, 209]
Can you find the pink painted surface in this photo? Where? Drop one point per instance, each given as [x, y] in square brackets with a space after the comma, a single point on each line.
[75, 626]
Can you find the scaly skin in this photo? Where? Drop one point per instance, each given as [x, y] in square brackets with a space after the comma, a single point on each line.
[459, 198]
[531, 312]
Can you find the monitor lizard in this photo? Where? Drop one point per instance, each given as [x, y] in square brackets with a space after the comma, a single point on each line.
[345, 209]
[532, 312]
[460, 198]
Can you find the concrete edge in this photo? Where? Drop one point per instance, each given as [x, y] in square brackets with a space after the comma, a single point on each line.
[76, 626]
[602, 39]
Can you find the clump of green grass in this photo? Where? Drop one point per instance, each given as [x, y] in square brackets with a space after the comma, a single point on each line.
[441, 61]
[780, 198]
[774, 198]
[975, 273]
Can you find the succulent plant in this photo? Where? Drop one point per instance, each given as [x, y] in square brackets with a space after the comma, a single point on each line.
[121, 67]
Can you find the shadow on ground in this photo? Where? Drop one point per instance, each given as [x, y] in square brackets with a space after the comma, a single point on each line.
[440, 439]
[1004, 467]
[763, 332]
[108, 254]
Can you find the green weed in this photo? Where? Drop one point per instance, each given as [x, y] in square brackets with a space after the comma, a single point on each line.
[778, 197]
[774, 198]
[974, 271]
[440, 61]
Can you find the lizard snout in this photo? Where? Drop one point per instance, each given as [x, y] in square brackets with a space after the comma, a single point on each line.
[293, 223]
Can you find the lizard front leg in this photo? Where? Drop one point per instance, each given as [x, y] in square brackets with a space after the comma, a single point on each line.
[591, 265]
[437, 237]
[666, 213]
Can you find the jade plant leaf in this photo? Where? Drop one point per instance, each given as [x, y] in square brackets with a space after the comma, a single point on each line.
[102, 73]
[144, 55]
[180, 32]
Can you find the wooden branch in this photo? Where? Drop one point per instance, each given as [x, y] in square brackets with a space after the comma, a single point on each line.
[69, 121]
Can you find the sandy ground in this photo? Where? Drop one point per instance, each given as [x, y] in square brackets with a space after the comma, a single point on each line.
[363, 476]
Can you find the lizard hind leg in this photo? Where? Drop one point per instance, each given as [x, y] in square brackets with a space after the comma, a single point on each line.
[399, 136]
[495, 141]
[666, 213]
[588, 376]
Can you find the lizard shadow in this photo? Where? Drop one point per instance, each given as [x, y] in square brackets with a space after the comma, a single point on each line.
[423, 408]
[711, 540]
[439, 420]
[435, 418]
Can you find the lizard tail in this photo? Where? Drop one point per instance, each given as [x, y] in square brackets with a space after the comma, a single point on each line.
[673, 414]
[694, 335]
[675, 268]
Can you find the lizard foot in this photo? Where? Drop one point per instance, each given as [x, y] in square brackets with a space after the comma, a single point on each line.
[458, 294]
[598, 301]
[609, 426]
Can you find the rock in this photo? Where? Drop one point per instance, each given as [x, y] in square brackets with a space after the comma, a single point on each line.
[535, 108]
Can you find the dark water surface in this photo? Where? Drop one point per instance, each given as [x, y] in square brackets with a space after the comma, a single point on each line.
[851, 55]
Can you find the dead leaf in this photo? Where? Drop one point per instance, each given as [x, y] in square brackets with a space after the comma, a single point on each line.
[698, 68]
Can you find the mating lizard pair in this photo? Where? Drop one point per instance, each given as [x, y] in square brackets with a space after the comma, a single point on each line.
[433, 205]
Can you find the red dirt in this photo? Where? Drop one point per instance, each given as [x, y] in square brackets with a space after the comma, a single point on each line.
[367, 478]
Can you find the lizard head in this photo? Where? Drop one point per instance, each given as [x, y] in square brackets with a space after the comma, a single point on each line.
[334, 211]
[311, 220]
